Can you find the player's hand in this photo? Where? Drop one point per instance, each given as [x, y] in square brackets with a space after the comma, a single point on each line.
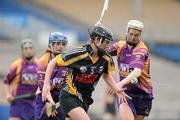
[10, 98]
[45, 91]
[54, 113]
[110, 91]
[123, 96]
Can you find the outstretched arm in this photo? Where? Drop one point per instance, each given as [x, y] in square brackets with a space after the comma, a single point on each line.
[118, 90]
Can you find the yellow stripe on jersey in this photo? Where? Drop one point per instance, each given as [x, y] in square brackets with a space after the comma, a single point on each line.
[110, 67]
[93, 60]
[121, 45]
[61, 62]
[17, 78]
[70, 85]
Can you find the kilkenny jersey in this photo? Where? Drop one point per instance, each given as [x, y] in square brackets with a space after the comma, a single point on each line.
[83, 71]
[22, 77]
[128, 59]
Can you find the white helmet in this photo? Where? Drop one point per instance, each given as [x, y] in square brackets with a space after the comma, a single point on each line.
[135, 24]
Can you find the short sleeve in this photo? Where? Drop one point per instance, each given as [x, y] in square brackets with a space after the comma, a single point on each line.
[138, 58]
[109, 66]
[11, 74]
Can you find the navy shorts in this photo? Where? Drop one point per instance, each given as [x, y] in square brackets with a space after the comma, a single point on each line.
[22, 109]
[69, 102]
[140, 104]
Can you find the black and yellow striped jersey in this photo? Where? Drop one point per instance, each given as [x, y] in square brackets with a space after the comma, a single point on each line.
[84, 72]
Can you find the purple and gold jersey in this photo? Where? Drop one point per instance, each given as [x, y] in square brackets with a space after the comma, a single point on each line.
[128, 59]
[22, 77]
[83, 71]
[57, 78]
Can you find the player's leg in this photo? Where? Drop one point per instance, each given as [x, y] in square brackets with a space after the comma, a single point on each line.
[78, 113]
[15, 111]
[139, 117]
[73, 107]
[27, 110]
[125, 112]
[14, 118]
[67, 118]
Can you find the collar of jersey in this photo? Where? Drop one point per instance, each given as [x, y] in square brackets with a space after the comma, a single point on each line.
[91, 52]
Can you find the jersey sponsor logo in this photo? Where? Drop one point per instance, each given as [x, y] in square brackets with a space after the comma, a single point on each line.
[87, 78]
[29, 78]
[124, 69]
[57, 81]
[138, 57]
[128, 55]
[83, 69]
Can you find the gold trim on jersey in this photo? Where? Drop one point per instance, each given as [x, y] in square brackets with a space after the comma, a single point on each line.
[70, 85]
[61, 62]
[110, 67]
[94, 60]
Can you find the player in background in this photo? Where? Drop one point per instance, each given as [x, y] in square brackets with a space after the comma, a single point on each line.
[57, 45]
[22, 79]
[133, 60]
[85, 66]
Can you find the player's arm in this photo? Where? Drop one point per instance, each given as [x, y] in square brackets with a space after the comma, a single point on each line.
[119, 91]
[7, 83]
[111, 82]
[46, 87]
[133, 75]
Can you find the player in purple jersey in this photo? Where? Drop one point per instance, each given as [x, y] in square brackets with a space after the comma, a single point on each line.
[57, 45]
[133, 60]
[20, 80]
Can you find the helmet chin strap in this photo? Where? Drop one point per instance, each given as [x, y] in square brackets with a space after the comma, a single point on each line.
[100, 50]
[100, 42]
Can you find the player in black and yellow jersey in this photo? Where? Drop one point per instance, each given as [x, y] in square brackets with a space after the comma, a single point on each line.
[86, 64]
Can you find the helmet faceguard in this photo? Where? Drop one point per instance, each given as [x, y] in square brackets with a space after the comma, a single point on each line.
[102, 32]
[56, 37]
[27, 55]
[135, 24]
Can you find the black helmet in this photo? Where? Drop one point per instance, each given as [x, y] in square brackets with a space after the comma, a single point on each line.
[102, 32]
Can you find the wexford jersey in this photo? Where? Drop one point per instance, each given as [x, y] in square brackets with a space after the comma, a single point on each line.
[57, 78]
[22, 77]
[83, 71]
[129, 59]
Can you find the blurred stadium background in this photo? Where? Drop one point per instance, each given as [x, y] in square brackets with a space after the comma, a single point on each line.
[35, 19]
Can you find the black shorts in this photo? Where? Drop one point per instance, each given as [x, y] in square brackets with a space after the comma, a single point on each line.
[69, 102]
